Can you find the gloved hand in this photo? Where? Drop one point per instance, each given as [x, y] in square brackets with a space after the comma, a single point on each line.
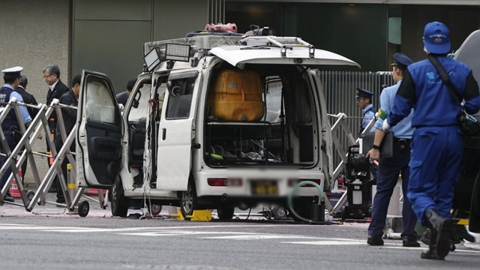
[386, 125]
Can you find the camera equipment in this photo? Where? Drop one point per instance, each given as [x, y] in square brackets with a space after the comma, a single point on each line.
[359, 185]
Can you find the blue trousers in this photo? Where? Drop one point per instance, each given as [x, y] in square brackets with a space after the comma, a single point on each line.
[388, 173]
[7, 173]
[435, 169]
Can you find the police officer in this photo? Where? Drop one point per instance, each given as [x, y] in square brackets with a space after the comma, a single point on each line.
[12, 79]
[390, 167]
[364, 102]
[438, 140]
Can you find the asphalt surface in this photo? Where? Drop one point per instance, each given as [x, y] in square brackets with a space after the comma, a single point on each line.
[50, 238]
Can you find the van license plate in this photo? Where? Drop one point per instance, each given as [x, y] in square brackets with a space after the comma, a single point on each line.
[264, 187]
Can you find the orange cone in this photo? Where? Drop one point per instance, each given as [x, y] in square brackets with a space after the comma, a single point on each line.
[14, 190]
[94, 191]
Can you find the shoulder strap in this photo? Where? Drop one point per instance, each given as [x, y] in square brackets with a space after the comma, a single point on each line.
[444, 76]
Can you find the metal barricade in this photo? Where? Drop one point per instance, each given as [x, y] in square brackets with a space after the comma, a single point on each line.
[29, 135]
[341, 123]
[32, 131]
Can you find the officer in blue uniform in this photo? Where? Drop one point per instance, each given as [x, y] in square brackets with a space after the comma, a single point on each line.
[438, 140]
[364, 102]
[12, 80]
[390, 167]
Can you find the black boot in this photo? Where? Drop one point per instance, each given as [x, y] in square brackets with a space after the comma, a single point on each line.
[8, 197]
[432, 253]
[444, 228]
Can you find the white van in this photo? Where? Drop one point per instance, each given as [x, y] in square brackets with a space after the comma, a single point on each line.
[214, 122]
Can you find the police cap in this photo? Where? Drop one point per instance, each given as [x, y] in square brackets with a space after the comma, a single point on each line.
[13, 71]
[400, 59]
[364, 93]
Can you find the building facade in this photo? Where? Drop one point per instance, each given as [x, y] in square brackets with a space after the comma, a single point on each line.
[107, 35]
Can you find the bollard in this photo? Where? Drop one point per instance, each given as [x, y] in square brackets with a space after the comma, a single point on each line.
[72, 184]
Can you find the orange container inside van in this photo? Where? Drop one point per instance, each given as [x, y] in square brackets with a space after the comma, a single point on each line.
[237, 96]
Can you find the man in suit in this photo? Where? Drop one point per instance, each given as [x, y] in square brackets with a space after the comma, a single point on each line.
[28, 99]
[56, 89]
[69, 119]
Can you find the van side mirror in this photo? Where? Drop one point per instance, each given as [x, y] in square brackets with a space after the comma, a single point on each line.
[136, 99]
[135, 103]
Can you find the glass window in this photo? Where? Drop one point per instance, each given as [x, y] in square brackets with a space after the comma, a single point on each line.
[179, 98]
[273, 100]
[140, 105]
[100, 106]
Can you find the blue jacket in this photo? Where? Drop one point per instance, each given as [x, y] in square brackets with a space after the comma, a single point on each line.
[423, 89]
[10, 119]
[6, 92]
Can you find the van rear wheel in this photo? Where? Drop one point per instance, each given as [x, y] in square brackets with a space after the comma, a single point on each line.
[188, 201]
[119, 205]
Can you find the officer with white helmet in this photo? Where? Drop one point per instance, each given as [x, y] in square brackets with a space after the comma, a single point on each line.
[12, 78]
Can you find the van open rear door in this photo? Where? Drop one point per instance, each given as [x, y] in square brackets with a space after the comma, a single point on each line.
[99, 148]
[177, 130]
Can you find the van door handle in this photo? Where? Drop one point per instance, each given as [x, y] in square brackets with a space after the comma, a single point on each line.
[164, 134]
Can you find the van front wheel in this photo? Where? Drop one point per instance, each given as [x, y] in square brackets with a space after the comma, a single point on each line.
[188, 201]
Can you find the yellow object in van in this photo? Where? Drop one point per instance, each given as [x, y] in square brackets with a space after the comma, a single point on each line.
[237, 96]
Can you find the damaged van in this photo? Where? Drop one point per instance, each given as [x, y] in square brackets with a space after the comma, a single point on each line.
[214, 122]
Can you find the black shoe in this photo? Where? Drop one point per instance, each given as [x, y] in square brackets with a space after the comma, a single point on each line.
[410, 241]
[8, 197]
[444, 228]
[375, 240]
[52, 190]
[431, 253]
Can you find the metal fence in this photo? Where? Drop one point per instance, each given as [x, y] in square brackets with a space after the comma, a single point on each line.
[340, 91]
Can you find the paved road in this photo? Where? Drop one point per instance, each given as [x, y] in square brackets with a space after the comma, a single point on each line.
[51, 239]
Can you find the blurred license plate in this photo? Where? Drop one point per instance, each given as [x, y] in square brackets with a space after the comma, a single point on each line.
[264, 187]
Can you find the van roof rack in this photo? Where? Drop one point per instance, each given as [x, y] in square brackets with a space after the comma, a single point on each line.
[208, 41]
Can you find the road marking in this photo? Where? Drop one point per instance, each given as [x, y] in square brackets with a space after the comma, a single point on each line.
[202, 232]
[351, 242]
[456, 250]
[257, 237]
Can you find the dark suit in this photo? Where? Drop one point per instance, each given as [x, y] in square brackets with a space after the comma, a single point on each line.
[69, 119]
[28, 99]
[122, 98]
[59, 90]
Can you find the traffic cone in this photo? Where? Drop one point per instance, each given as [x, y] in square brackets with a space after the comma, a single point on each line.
[14, 190]
[94, 191]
